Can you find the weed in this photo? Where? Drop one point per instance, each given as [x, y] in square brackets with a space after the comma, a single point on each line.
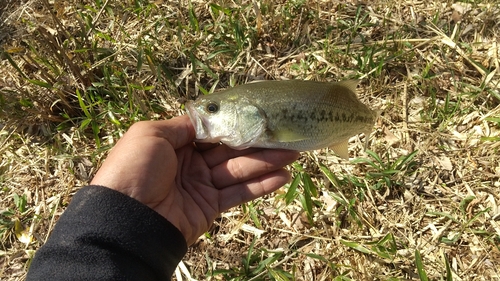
[257, 265]
[388, 173]
[13, 219]
[253, 212]
[306, 195]
[384, 248]
[496, 121]
[466, 222]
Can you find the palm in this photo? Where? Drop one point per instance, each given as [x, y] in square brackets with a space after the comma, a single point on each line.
[191, 201]
[186, 185]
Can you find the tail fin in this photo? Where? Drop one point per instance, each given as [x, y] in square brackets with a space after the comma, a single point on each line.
[369, 131]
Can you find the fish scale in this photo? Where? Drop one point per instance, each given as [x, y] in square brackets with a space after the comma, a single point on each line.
[293, 114]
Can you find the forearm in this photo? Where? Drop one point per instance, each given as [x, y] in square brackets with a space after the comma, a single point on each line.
[105, 235]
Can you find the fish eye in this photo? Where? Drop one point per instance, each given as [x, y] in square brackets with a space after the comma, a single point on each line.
[212, 107]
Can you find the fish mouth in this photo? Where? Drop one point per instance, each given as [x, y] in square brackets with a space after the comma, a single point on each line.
[197, 121]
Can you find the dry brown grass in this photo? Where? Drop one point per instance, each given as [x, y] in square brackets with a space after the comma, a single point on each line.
[432, 68]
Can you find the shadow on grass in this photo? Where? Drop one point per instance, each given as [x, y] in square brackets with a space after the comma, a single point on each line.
[6, 30]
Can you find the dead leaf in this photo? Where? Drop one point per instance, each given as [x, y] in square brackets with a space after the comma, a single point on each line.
[445, 163]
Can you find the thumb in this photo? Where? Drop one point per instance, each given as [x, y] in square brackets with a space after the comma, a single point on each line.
[178, 131]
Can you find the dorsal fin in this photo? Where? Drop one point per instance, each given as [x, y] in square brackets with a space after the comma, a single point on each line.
[349, 84]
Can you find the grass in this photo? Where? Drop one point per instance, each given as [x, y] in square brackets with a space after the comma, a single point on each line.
[421, 204]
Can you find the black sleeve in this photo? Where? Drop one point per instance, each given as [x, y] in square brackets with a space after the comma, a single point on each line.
[106, 235]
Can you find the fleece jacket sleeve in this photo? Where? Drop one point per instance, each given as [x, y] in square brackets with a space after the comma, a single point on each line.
[106, 235]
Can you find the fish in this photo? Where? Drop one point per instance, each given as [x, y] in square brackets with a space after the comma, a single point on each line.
[291, 114]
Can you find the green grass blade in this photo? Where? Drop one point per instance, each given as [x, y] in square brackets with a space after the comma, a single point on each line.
[306, 202]
[82, 104]
[248, 258]
[13, 63]
[278, 275]
[291, 194]
[449, 275]
[309, 186]
[420, 266]
[331, 176]
[405, 160]
[193, 20]
[40, 83]
[356, 246]
[375, 156]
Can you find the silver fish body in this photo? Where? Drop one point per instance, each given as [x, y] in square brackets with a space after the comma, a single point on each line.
[293, 114]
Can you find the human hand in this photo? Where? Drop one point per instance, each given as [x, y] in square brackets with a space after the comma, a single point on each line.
[157, 163]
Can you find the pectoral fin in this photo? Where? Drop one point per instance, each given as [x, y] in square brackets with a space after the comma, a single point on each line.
[285, 135]
[341, 150]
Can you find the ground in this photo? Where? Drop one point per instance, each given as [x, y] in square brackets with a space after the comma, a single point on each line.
[423, 202]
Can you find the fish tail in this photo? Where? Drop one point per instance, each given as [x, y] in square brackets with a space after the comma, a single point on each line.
[370, 130]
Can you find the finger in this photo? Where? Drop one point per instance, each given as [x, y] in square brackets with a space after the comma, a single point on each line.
[178, 131]
[222, 153]
[246, 191]
[249, 166]
[204, 146]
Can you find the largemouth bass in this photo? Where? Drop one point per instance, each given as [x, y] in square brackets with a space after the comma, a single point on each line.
[293, 114]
